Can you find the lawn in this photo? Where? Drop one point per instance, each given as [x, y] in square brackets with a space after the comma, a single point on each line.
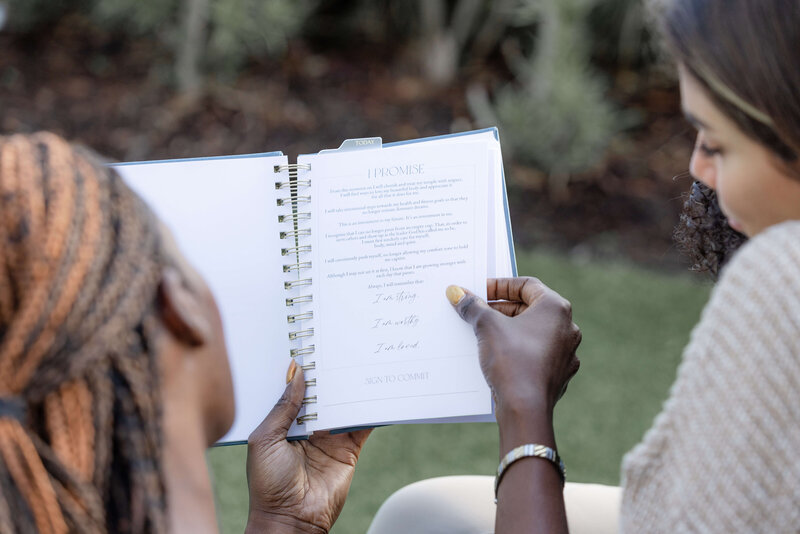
[634, 325]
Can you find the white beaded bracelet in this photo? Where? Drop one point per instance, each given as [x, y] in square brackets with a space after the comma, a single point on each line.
[525, 451]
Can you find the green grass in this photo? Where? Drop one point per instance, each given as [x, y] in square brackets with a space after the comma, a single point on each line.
[635, 324]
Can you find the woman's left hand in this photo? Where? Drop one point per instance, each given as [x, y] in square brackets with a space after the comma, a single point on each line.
[298, 486]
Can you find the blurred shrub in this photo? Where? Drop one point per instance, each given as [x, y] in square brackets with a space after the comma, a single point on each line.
[218, 35]
[251, 28]
[135, 17]
[557, 111]
[561, 126]
[555, 115]
[452, 34]
[620, 32]
[26, 15]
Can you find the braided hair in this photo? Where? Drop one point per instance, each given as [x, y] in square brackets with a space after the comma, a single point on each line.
[80, 433]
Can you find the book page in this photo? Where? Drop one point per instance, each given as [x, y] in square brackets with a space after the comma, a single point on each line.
[223, 215]
[391, 229]
[500, 257]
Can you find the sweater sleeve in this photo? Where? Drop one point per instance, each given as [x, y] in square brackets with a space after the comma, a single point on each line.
[724, 453]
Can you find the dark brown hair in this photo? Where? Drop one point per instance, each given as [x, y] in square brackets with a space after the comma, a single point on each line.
[703, 233]
[745, 54]
[79, 268]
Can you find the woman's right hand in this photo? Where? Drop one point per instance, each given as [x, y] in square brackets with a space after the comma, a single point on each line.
[298, 486]
[527, 340]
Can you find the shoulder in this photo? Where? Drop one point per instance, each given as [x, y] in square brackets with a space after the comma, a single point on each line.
[753, 315]
[760, 288]
[776, 249]
[774, 253]
[738, 385]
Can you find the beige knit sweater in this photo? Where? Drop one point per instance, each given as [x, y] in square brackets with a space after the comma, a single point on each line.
[724, 454]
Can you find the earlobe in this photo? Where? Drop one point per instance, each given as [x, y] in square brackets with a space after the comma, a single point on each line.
[181, 310]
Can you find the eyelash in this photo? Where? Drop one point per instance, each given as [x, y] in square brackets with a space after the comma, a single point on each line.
[708, 151]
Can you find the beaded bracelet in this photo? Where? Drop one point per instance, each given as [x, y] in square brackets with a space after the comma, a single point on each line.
[525, 451]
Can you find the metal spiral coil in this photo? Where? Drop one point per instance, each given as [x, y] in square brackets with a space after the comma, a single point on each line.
[307, 417]
[298, 300]
[301, 352]
[291, 319]
[297, 255]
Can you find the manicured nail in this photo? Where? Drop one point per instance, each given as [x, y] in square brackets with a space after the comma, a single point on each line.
[454, 294]
[292, 370]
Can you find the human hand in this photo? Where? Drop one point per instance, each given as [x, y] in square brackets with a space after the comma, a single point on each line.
[527, 340]
[298, 486]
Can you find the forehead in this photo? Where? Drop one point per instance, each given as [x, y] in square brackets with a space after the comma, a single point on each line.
[695, 102]
[699, 108]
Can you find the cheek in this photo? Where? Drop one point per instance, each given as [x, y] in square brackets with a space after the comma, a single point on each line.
[221, 408]
[741, 196]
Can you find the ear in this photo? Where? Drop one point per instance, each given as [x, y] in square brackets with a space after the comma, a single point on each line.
[182, 309]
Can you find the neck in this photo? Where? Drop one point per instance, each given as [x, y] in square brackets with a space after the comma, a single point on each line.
[190, 497]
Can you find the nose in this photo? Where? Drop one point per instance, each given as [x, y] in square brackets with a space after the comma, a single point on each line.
[702, 168]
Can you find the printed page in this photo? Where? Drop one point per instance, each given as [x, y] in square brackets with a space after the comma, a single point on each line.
[223, 215]
[391, 229]
[499, 257]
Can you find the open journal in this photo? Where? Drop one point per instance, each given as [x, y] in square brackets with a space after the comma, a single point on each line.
[341, 261]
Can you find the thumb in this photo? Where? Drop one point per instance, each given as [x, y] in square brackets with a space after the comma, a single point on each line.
[276, 425]
[469, 306]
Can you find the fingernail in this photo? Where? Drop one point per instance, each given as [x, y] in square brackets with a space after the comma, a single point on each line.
[292, 370]
[454, 294]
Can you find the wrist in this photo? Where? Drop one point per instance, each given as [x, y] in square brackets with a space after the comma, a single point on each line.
[520, 400]
[524, 421]
[258, 522]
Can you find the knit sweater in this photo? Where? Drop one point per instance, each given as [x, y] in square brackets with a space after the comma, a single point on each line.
[724, 454]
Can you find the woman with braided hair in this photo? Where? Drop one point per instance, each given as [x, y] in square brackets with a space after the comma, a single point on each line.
[113, 371]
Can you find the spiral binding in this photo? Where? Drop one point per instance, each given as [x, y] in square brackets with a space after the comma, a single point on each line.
[298, 300]
[299, 317]
[296, 283]
[295, 250]
[301, 352]
[297, 253]
[294, 199]
[290, 184]
[296, 233]
[299, 216]
[297, 266]
[301, 333]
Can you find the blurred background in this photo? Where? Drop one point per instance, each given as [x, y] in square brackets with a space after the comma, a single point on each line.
[595, 154]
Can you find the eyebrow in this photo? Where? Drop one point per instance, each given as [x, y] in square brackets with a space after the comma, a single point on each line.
[697, 123]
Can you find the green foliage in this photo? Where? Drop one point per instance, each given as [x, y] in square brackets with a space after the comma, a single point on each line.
[135, 17]
[621, 33]
[561, 126]
[236, 29]
[243, 28]
[556, 115]
[26, 15]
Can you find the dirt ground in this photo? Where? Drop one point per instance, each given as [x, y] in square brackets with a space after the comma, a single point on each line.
[114, 96]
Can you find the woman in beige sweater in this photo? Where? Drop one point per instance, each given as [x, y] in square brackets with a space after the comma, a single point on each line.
[722, 455]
